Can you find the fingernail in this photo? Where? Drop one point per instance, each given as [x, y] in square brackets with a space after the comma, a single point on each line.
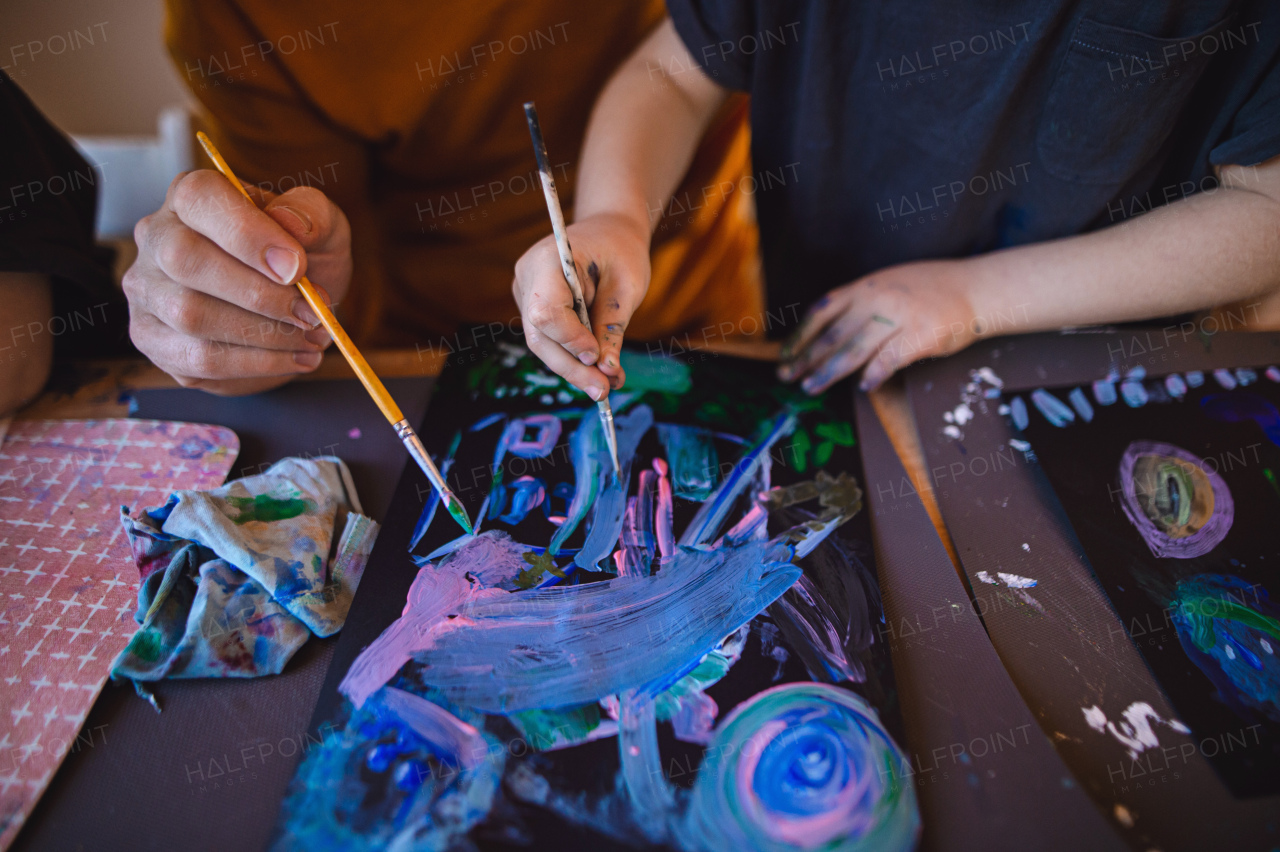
[303, 219]
[303, 312]
[588, 358]
[310, 360]
[284, 263]
[596, 393]
[318, 337]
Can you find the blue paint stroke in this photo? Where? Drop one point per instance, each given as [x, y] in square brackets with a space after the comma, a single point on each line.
[651, 795]
[1081, 404]
[638, 542]
[693, 459]
[451, 739]
[1195, 378]
[803, 766]
[1134, 394]
[685, 703]
[1104, 392]
[1239, 407]
[1231, 630]
[525, 495]
[711, 515]
[485, 422]
[433, 499]
[1175, 385]
[1053, 409]
[1018, 411]
[585, 452]
[810, 614]
[477, 569]
[1245, 376]
[564, 646]
[1225, 379]
[369, 787]
[609, 508]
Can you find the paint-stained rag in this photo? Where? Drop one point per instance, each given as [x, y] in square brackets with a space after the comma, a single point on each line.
[234, 580]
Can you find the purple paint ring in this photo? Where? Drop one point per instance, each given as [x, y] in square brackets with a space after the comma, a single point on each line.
[1203, 540]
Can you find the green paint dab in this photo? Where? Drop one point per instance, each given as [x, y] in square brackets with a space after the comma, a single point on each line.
[266, 508]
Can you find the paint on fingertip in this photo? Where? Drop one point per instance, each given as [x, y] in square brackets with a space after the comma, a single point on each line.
[593, 272]
[614, 327]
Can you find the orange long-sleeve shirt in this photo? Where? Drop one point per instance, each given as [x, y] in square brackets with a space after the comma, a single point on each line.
[408, 115]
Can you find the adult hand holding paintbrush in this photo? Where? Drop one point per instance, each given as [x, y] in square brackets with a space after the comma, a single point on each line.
[211, 300]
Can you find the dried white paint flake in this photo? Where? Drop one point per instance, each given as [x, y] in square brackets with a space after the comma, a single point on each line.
[1013, 581]
[1135, 731]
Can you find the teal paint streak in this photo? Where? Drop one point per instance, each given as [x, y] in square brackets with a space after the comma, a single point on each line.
[695, 465]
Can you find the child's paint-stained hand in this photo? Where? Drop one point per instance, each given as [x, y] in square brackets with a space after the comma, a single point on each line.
[612, 258]
[211, 295]
[882, 322]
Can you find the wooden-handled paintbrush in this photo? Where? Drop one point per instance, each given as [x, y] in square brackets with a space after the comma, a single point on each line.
[363, 371]
[567, 265]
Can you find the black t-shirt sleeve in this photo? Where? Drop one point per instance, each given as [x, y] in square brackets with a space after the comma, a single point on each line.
[714, 31]
[48, 198]
[1254, 133]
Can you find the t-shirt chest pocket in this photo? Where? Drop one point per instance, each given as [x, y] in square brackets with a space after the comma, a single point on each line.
[1116, 98]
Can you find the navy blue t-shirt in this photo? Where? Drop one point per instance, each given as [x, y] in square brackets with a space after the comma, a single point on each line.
[888, 132]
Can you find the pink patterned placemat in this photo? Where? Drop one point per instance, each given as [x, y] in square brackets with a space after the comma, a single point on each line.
[68, 585]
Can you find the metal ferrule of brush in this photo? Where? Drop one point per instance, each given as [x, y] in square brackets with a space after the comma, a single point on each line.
[610, 434]
[414, 444]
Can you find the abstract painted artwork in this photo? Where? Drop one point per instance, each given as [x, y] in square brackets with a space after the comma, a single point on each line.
[1171, 486]
[685, 656]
